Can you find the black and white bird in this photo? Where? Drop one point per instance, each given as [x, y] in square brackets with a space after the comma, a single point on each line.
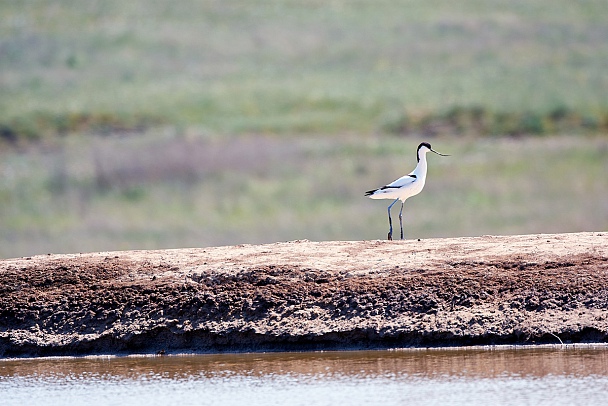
[404, 187]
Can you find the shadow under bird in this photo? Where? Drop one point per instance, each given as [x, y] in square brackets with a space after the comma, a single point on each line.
[404, 187]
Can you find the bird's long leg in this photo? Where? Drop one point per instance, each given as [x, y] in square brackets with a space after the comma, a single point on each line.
[401, 219]
[390, 222]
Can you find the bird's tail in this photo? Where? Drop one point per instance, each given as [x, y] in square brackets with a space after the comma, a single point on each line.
[370, 192]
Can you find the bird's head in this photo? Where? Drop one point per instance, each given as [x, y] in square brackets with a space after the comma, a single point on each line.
[425, 147]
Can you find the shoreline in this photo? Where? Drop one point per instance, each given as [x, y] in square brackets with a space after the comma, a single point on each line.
[309, 296]
[472, 348]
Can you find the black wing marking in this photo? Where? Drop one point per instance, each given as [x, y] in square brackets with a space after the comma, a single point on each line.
[371, 192]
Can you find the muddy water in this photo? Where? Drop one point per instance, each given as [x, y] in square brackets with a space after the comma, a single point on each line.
[550, 375]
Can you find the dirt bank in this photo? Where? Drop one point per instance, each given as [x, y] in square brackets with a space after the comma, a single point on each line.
[305, 295]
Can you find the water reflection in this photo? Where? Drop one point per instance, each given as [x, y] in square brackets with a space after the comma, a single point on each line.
[515, 376]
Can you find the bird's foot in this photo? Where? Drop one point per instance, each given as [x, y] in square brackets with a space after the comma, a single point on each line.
[390, 236]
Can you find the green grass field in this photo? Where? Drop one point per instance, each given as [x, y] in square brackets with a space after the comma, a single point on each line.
[290, 66]
[157, 124]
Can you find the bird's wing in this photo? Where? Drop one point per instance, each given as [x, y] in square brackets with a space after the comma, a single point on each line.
[402, 181]
[399, 183]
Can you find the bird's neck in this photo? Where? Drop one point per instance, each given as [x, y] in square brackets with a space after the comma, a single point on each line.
[420, 170]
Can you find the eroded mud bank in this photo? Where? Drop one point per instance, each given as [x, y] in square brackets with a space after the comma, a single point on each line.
[306, 295]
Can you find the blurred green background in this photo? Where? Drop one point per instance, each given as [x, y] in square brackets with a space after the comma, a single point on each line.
[160, 124]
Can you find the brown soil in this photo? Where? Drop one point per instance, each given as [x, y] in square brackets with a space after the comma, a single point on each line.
[305, 295]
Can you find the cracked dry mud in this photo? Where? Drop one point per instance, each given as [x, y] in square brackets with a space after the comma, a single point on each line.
[304, 295]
